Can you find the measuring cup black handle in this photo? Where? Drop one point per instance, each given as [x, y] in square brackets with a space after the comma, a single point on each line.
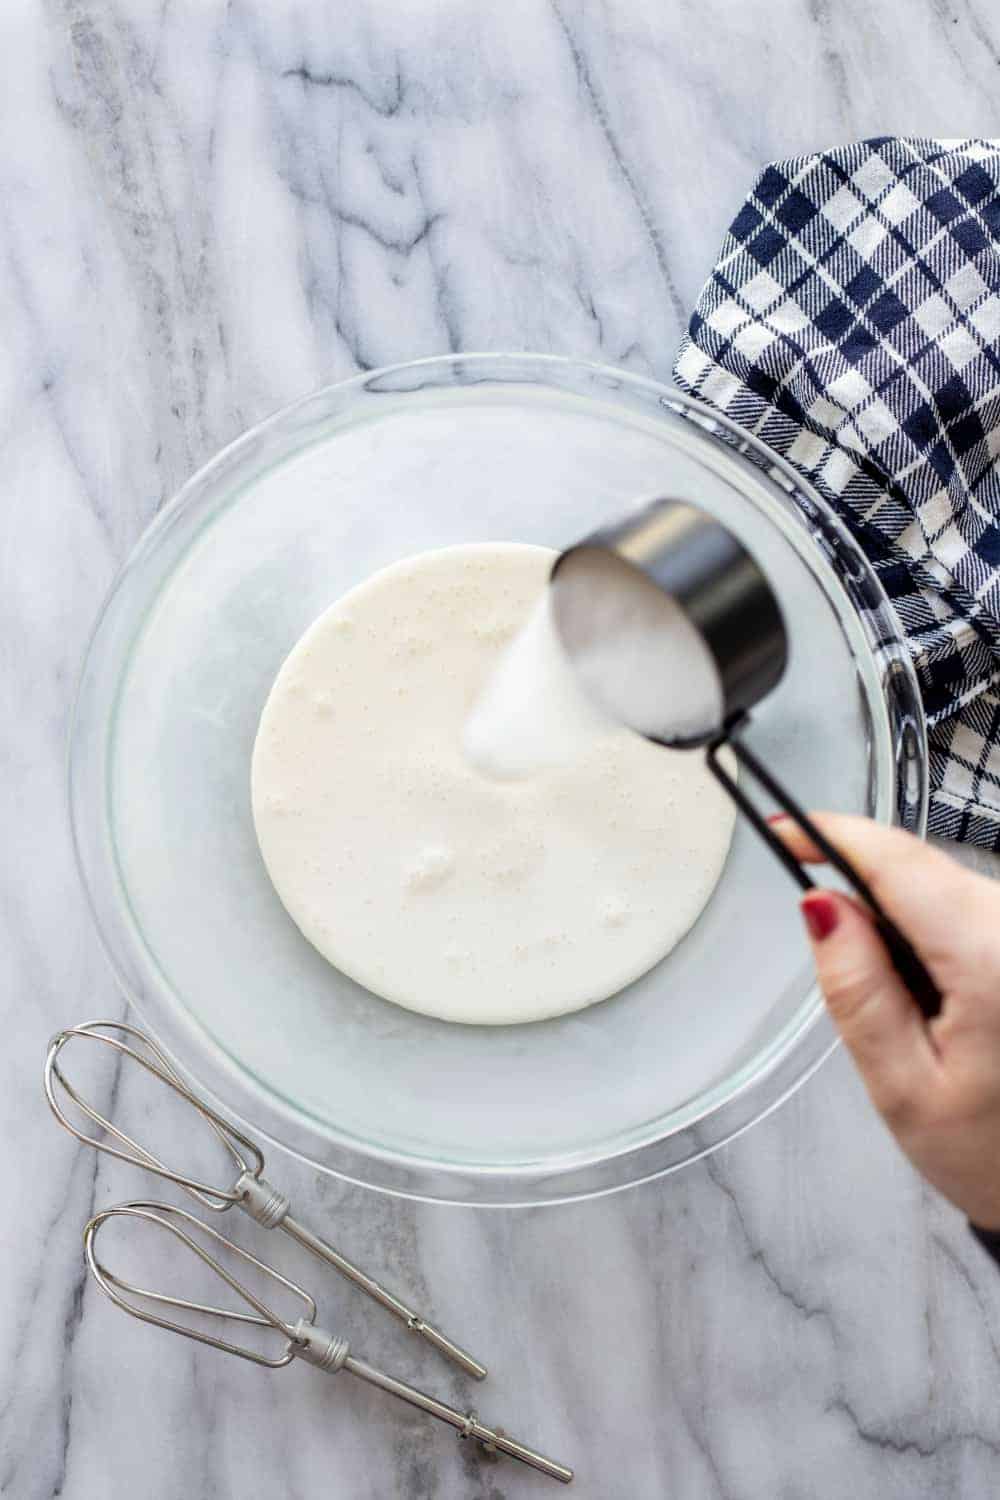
[905, 961]
[909, 967]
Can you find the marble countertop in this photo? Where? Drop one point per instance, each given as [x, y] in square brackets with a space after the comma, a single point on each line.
[210, 207]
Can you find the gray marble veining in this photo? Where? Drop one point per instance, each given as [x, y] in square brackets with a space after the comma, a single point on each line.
[210, 207]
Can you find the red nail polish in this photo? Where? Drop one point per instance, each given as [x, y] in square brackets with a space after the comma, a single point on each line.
[778, 817]
[821, 914]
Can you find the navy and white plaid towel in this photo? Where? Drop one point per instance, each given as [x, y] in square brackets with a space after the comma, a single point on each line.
[853, 324]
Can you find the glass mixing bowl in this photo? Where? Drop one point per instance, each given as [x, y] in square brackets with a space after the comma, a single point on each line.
[460, 449]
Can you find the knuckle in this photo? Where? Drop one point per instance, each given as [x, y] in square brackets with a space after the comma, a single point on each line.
[850, 996]
[906, 861]
[894, 1098]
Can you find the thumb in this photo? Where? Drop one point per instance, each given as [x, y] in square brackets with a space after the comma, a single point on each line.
[879, 1021]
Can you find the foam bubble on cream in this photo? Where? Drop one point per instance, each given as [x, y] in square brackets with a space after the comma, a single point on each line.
[431, 867]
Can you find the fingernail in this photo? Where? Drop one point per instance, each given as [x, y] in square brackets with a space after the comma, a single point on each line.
[821, 914]
[778, 817]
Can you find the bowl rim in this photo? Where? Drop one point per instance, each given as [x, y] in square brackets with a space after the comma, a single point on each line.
[570, 1176]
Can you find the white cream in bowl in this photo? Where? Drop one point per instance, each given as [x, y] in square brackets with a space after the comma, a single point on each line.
[442, 888]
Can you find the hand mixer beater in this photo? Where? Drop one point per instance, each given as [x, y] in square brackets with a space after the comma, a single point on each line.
[270, 1208]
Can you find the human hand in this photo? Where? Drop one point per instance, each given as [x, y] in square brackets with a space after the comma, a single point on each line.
[936, 1083]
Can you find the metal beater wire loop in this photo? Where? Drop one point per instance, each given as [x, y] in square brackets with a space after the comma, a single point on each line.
[163, 1215]
[154, 1062]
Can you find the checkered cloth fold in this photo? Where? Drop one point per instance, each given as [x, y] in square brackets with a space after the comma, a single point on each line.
[853, 324]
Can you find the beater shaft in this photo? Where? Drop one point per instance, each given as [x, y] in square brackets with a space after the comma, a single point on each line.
[386, 1299]
[467, 1423]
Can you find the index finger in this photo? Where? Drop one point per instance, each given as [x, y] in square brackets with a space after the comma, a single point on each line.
[925, 892]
